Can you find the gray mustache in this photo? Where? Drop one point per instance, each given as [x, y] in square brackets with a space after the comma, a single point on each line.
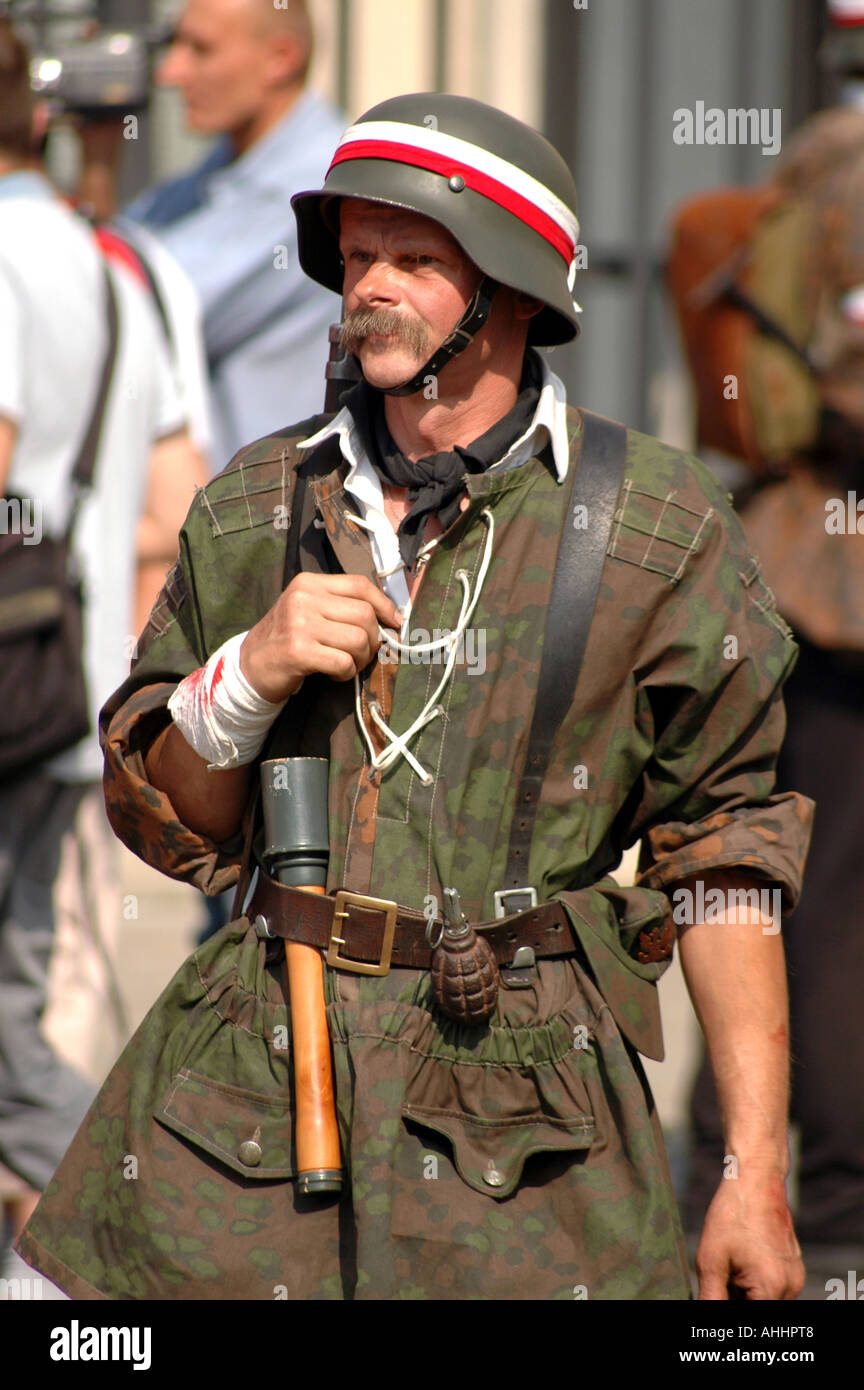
[361, 322]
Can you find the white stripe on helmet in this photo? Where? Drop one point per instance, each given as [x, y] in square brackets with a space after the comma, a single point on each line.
[437, 141]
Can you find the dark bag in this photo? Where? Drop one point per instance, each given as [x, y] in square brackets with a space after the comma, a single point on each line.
[43, 693]
[744, 283]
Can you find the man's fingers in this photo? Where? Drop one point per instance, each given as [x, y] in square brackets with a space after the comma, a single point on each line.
[713, 1284]
[324, 623]
[335, 662]
[354, 612]
[759, 1279]
[358, 587]
[344, 637]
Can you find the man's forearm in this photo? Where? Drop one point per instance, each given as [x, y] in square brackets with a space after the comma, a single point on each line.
[210, 803]
[737, 980]
[736, 975]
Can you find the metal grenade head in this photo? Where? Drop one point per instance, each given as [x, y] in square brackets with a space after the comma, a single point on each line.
[464, 969]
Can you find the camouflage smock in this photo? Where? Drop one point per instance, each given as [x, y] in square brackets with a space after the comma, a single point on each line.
[524, 1159]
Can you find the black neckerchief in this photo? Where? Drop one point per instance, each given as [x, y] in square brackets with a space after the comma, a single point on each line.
[436, 483]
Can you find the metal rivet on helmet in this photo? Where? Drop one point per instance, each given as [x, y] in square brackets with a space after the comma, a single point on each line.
[456, 183]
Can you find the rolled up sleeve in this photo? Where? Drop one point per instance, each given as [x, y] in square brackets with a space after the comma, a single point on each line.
[770, 840]
[229, 571]
[144, 817]
[170, 647]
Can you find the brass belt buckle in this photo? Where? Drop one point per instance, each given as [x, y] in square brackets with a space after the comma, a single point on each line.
[358, 967]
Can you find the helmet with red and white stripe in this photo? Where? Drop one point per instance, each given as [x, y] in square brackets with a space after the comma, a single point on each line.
[498, 187]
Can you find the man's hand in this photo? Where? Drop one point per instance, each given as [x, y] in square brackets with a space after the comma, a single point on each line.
[748, 1242]
[321, 622]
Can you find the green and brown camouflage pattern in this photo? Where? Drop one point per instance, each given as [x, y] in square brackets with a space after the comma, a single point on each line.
[580, 1205]
[671, 740]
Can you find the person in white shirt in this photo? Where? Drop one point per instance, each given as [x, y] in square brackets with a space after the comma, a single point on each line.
[53, 337]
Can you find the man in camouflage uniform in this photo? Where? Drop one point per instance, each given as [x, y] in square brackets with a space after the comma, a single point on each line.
[523, 1158]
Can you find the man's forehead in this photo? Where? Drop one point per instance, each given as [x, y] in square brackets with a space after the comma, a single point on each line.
[356, 213]
[209, 18]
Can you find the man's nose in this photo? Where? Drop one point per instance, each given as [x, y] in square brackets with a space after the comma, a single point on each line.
[171, 68]
[378, 284]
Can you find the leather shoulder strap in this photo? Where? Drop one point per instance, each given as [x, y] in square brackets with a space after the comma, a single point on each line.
[581, 553]
[85, 463]
[305, 550]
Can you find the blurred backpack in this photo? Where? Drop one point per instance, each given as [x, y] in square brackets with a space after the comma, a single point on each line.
[743, 276]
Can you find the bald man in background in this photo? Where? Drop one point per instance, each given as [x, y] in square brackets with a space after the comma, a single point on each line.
[242, 67]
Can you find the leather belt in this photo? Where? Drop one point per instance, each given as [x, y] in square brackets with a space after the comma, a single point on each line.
[369, 935]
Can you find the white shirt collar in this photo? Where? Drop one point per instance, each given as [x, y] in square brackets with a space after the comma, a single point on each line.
[364, 483]
[550, 422]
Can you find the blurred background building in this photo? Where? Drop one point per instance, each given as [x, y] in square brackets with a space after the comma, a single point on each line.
[601, 78]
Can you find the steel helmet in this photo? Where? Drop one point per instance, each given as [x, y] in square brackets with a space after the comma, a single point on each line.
[493, 182]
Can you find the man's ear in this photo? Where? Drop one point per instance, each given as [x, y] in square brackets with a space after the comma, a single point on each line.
[525, 306]
[286, 60]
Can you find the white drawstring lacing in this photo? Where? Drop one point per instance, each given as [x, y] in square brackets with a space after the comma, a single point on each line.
[398, 743]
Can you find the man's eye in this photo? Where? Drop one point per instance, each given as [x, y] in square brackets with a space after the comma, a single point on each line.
[420, 258]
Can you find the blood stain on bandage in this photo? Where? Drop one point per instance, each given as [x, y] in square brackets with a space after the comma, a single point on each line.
[191, 689]
[217, 675]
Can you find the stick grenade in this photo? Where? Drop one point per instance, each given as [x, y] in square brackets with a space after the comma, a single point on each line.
[296, 851]
[297, 848]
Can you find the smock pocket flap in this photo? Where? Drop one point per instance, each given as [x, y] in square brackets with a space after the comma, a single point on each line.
[248, 1132]
[489, 1154]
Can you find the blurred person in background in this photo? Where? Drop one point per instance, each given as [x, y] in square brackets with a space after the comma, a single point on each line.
[242, 66]
[809, 538]
[51, 298]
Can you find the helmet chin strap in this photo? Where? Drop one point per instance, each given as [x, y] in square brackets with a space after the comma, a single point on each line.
[476, 314]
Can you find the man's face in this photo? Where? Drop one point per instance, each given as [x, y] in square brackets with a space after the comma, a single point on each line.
[224, 61]
[406, 286]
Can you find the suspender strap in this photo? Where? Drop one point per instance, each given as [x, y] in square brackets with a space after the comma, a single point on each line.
[581, 552]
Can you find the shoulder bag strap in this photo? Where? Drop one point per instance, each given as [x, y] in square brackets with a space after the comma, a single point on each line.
[85, 463]
[581, 553]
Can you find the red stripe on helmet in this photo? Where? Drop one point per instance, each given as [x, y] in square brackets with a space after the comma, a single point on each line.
[477, 181]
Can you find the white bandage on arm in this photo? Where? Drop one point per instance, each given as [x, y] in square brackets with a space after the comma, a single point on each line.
[219, 714]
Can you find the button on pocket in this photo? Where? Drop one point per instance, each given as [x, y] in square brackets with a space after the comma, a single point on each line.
[249, 1133]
